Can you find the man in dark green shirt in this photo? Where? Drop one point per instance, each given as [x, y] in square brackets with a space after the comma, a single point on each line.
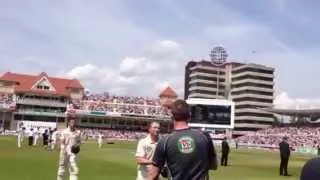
[189, 154]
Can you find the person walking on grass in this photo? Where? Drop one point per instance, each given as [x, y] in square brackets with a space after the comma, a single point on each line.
[70, 140]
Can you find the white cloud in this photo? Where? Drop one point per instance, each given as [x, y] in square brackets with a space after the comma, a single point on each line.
[164, 48]
[71, 32]
[85, 72]
[99, 42]
[102, 78]
[166, 54]
[133, 80]
[137, 66]
[156, 67]
[284, 101]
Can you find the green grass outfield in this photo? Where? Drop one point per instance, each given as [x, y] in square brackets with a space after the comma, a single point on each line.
[116, 162]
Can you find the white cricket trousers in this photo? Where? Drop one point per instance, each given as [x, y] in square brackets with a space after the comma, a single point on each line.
[53, 145]
[67, 162]
[35, 140]
[100, 143]
[19, 139]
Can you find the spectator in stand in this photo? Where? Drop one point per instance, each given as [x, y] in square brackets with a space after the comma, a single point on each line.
[121, 104]
[114, 134]
[6, 100]
[305, 137]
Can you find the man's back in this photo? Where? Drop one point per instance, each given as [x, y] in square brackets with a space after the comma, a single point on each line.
[188, 154]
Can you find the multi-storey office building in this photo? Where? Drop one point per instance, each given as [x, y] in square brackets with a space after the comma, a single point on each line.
[250, 86]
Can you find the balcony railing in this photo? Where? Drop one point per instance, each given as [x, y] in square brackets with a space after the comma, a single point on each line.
[40, 113]
[51, 103]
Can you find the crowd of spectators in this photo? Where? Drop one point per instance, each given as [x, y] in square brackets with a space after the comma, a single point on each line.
[105, 97]
[104, 103]
[121, 104]
[113, 134]
[298, 137]
[41, 101]
[6, 100]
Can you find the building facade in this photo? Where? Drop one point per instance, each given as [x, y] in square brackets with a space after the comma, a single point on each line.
[123, 112]
[43, 101]
[250, 86]
[36, 98]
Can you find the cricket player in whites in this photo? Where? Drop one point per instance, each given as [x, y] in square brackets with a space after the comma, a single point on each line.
[21, 132]
[145, 150]
[70, 140]
[100, 140]
[36, 136]
[54, 139]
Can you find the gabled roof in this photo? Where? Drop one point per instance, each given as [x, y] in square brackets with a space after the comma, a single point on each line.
[168, 92]
[167, 103]
[43, 79]
[25, 82]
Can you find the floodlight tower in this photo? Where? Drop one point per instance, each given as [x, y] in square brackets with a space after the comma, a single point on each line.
[218, 56]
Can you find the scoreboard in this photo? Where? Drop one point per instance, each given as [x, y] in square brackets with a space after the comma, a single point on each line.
[211, 113]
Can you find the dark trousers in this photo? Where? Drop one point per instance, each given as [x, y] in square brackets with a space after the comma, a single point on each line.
[224, 159]
[45, 142]
[30, 139]
[284, 165]
[207, 177]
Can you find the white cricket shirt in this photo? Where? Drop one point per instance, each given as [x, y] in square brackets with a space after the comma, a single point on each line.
[100, 136]
[145, 149]
[54, 136]
[36, 133]
[20, 132]
[69, 138]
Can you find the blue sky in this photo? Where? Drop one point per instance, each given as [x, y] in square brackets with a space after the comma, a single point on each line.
[124, 46]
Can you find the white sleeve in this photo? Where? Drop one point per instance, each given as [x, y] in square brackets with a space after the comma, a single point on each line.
[140, 150]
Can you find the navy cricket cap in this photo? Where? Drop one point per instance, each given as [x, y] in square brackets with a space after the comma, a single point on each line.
[310, 170]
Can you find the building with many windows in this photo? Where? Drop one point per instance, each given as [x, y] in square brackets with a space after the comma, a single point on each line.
[36, 98]
[133, 113]
[41, 101]
[250, 86]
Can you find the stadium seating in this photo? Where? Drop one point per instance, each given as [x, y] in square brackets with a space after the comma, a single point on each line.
[127, 135]
[103, 103]
[121, 104]
[6, 101]
[113, 134]
[298, 137]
